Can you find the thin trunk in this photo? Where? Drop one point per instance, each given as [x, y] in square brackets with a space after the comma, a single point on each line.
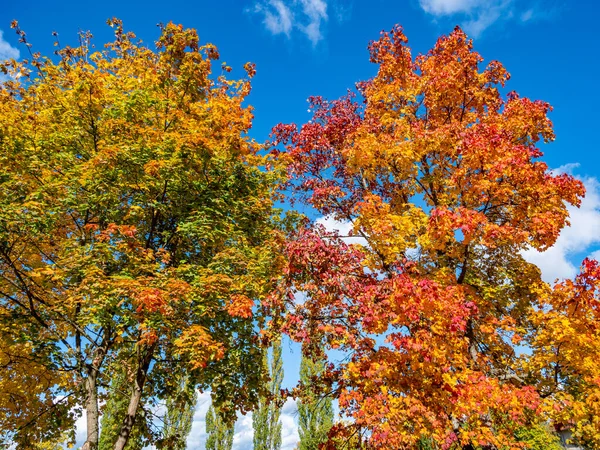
[136, 397]
[91, 410]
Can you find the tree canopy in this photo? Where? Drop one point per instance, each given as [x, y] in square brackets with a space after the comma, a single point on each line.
[137, 231]
[142, 256]
[440, 316]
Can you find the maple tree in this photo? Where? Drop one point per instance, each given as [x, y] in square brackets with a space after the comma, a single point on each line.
[438, 173]
[137, 233]
[566, 351]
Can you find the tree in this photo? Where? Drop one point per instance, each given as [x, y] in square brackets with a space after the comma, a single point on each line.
[539, 437]
[219, 431]
[266, 418]
[113, 411]
[438, 174]
[315, 411]
[179, 417]
[137, 230]
[566, 351]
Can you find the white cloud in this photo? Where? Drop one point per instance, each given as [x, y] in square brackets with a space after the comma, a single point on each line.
[581, 237]
[197, 436]
[343, 227]
[81, 430]
[445, 7]
[283, 16]
[565, 168]
[7, 51]
[278, 17]
[244, 433]
[477, 15]
[289, 425]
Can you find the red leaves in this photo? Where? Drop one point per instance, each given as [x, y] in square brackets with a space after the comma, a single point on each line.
[438, 172]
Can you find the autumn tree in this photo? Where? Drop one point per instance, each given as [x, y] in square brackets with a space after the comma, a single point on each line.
[219, 431]
[438, 174]
[266, 417]
[565, 346]
[137, 232]
[315, 410]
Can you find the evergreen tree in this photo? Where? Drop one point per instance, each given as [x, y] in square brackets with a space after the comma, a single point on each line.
[314, 410]
[220, 433]
[265, 419]
[180, 413]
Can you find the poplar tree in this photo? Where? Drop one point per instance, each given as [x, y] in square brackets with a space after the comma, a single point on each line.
[112, 415]
[266, 419]
[179, 416]
[220, 433]
[315, 410]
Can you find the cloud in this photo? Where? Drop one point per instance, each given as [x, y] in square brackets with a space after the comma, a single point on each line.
[197, 436]
[289, 425]
[285, 16]
[244, 433]
[476, 15]
[445, 7]
[278, 17]
[7, 51]
[527, 15]
[343, 227]
[581, 237]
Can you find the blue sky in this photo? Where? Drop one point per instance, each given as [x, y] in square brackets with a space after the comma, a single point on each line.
[319, 47]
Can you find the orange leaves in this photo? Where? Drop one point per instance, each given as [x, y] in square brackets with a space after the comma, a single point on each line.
[151, 300]
[113, 230]
[199, 346]
[438, 172]
[240, 306]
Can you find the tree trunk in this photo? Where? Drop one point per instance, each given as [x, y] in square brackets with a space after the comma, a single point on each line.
[136, 397]
[91, 411]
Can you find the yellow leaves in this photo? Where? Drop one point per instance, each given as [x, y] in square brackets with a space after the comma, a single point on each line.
[198, 345]
[391, 230]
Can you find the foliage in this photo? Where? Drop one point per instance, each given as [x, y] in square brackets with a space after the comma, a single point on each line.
[113, 412]
[219, 431]
[180, 406]
[438, 174]
[539, 437]
[566, 351]
[136, 228]
[266, 418]
[315, 410]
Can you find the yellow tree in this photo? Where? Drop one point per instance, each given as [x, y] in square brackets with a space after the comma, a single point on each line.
[566, 350]
[439, 174]
[136, 231]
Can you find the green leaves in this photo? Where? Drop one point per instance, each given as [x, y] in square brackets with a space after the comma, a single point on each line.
[134, 212]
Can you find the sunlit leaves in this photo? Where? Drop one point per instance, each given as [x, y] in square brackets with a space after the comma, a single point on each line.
[136, 218]
[439, 174]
